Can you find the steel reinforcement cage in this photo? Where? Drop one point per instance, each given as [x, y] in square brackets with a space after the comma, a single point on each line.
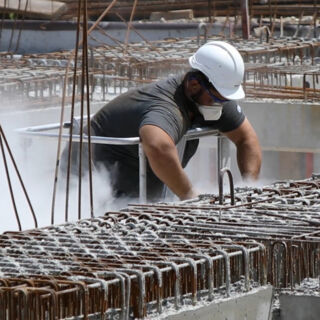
[141, 260]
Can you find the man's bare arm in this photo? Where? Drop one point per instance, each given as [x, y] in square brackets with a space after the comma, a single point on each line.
[163, 158]
[248, 150]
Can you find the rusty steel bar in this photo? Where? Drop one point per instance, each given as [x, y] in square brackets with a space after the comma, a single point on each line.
[150, 221]
[6, 144]
[79, 241]
[87, 84]
[222, 172]
[9, 182]
[72, 115]
[245, 21]
[268, 66]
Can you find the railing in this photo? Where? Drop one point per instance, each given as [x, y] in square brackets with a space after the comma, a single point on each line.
[192, 134]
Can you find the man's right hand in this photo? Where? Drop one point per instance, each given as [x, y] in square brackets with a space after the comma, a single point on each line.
[192, 194]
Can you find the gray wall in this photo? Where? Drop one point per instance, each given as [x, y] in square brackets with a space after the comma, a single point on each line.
[32, 36]
[285, 126]
[289, 134]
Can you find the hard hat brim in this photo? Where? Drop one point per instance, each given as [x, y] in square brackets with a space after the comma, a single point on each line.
[230, 94]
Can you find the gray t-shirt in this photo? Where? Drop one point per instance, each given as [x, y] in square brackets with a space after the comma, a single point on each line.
[162, 104]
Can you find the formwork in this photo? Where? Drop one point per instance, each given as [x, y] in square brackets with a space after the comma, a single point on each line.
[145, 258]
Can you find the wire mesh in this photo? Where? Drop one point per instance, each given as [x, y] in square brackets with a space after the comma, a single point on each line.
[138, 261]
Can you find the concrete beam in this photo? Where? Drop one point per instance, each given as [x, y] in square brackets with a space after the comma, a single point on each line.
[254, 305]
[299, 307]
[171, 15]
[45, 9]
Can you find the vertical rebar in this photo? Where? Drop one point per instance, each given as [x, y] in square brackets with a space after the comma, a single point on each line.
[245, 20]
[72, 113]
[9, 183]
[86, 70]
[2, 135]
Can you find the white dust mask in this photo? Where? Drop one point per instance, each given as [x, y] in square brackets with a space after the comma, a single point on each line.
[210, 113]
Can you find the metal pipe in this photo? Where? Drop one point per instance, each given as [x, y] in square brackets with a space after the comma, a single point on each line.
[142, 175]
[221, 174]
[196, 133]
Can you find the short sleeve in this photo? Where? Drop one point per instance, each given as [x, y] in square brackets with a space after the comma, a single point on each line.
[169, 120]
[231, 118]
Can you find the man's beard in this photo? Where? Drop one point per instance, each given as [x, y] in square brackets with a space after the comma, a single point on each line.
[195, 97]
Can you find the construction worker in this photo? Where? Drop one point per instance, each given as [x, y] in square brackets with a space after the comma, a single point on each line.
[161, 113]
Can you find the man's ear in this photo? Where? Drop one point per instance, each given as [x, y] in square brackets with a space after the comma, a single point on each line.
[193, 85]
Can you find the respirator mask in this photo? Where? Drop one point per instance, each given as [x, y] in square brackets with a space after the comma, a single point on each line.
[210, 113]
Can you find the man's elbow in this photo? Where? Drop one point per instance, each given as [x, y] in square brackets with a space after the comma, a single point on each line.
[157, 150]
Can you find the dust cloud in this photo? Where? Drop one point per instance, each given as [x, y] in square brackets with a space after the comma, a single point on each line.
[35, 158]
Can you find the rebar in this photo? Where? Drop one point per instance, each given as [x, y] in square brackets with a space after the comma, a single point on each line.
[4, 145]
[282, 69]
[137, 261]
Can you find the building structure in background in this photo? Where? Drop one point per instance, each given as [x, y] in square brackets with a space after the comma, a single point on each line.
[67, 9]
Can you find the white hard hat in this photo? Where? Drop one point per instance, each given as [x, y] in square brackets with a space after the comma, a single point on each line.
[223, 66]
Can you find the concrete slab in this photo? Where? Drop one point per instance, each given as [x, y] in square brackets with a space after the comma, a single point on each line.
[254, 305]
[171, 15]
[45, 9]
[299, 307]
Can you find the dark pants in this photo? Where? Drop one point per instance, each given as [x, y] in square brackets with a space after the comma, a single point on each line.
[124, 175]
[123, 170]
[122, 163]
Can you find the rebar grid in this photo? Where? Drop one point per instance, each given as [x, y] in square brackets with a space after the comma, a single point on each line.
[114, 268]
[137, 261]
[285, 69]
[24, 87]
[285, 51]
[284, 217]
